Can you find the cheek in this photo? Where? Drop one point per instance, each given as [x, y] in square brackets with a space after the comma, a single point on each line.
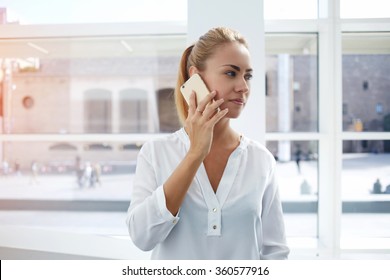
[221, 94]
[222, 89]
[214, 82]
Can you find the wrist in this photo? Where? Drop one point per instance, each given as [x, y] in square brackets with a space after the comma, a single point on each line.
[195, 156]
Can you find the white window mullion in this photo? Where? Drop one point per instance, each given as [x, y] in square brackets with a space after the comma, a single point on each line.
[330, 148]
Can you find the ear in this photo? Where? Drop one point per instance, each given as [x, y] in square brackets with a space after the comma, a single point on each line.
[193, 70]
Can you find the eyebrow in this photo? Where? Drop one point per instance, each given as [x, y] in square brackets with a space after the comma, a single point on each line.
[237, 68]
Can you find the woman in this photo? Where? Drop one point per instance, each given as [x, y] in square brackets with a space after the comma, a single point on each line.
[205, 191]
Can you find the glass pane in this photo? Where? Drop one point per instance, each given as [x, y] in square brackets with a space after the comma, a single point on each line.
[89, 85]
[366, 82]
[78, 187]
[285, 9]
[291, 83]
[67, 171]
[92, 11]
[364, 9]
[297, 169]
[365, 190]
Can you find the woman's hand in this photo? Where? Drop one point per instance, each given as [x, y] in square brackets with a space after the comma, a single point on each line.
[200, 123]
[199, 126]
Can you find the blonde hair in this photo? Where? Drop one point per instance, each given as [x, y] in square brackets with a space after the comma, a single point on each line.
[197, 55]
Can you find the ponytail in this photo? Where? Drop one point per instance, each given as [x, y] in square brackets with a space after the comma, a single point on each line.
[181, 104]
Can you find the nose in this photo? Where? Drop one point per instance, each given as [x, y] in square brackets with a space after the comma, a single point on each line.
[242, 86]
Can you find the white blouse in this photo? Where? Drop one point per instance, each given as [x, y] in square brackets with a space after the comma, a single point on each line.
[242, 220]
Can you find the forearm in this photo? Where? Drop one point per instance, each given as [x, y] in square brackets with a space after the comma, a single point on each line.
[176, 186]
[199, 127]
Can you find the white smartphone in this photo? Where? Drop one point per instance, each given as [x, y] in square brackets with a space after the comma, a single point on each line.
[194, 83]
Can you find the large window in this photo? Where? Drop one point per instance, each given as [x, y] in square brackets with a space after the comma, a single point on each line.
[87, 85]
[59, 87]
[366, 85]
[335, 102]
[291, 83]
[292, 106]
[365, 160]
[79, 100]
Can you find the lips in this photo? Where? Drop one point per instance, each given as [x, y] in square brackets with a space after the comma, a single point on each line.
[238, 101]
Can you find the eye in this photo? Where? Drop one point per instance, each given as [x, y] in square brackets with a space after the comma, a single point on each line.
[248, 77]
[231, 73]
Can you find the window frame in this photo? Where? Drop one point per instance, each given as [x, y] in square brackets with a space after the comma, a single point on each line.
[330, 136]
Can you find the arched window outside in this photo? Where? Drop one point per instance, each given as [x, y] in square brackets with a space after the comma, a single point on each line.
[134, 111]
[97, 111]
[168, 118]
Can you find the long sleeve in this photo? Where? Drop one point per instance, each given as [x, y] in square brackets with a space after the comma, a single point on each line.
[149, 221]
[274, 239]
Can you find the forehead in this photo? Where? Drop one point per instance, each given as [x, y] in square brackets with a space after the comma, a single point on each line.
[230, 53]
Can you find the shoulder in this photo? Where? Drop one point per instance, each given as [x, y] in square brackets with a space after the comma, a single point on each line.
[259, 151]
[162, 143]
[164, 150]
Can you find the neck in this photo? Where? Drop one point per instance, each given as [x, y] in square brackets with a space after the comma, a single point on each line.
[224, 135]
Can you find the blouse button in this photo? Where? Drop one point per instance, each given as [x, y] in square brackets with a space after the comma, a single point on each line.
[174, 221]
[214, 227]
[215, 210]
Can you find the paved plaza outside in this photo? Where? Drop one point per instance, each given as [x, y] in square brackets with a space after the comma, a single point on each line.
[359, 174]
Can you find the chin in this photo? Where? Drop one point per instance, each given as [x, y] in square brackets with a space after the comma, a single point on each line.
[233, 115]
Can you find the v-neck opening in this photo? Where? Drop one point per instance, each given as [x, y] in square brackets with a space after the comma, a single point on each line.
[223, 173]
[215, 200]
[224, 170]
[227, 179]
[228, 175]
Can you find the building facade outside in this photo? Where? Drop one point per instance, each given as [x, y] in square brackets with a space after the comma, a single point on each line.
[135, 95]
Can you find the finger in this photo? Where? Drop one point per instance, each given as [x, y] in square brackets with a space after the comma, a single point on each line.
[202, 104]
[192, 103]
[218, 116]
[212, 108]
